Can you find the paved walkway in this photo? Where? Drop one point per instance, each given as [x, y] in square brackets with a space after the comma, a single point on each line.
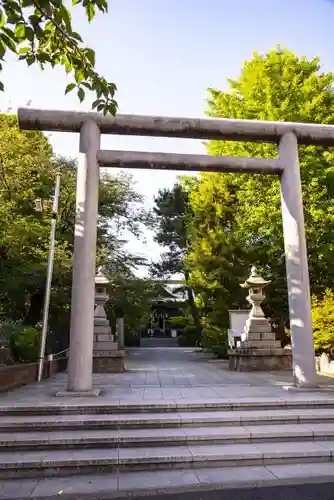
[169, 374]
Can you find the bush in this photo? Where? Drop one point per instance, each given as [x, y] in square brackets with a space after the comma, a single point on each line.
[7, 328]
[189, 337]
[323, 322]
[25, 343]
[214, 335]
[220, 350]
[131, 338]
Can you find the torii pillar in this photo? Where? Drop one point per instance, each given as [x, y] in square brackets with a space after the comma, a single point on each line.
[80, 363]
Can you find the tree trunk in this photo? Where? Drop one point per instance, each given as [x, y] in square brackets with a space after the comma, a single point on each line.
[193, 307]
[36, 308]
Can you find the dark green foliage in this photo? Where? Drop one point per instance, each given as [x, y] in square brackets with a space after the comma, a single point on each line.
[41, 32]
[236, 218]
[131, 338]
[189, 337]
[24, 343]
[27, 172]
[171, 215]
[221, 351]
[131, 298]
[323, 322]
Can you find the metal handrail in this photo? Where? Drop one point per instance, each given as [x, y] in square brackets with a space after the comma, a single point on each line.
[60, 352]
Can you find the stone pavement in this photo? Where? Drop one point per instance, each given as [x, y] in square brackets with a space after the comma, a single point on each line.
[322, 491]
[169, 374]
[177, 421]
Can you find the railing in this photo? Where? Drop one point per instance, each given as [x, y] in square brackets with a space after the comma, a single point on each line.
[55, 363]
[55, 356]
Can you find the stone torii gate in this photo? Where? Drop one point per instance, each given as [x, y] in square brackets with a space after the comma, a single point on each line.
[286, 166]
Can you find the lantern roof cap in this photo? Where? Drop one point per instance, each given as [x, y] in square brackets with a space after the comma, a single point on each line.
[100, 278]
[255, 280]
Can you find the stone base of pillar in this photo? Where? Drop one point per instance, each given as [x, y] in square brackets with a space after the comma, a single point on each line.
[244, 360]
[305, 388]
[78, 394]
[109, 362]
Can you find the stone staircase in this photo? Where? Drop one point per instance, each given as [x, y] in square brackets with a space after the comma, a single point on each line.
[112, 450]
[158, 342]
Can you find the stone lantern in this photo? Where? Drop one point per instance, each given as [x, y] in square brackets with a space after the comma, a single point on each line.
[101, 297]
[258, 350]
[106, 357]
[255, 285]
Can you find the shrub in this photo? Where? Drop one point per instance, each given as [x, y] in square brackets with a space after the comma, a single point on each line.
[6, 330]
[131, 338]
[188, 337]
[7, 327]
[220, 350]
[323, 322]
[213, 335]
[25, 343]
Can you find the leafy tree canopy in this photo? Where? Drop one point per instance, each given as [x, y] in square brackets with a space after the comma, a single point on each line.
[170, 216]
[171, 213]
[237, 217]
[323, 321]
[40, 32]
[131, 298]
[27, 172]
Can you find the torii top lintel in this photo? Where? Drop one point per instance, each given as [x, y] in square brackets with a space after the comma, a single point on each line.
[190, 128]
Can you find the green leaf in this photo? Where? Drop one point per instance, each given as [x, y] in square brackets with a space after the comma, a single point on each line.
[13, 17]
[49, 26]
[1, 87]
[97, 102]
[87, 85]
[20, 31]
[3, 48]
[102, 5]
[90, 53]
[79, 75]
[30, 34]
[68, 66]
[112, 108]
[24, 50]
[8, 41]
[9, 32]
[43, 57]
[90, 11]
[76, 36]
[70, 87]
[2, 19]
[34, 19]
[66, 15]
[81, 94]
[30, 59]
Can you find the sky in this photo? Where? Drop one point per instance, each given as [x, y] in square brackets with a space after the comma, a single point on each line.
[163, 55]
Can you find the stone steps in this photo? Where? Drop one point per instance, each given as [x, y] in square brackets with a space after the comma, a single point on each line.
[21, 423]
[68, 462]
[92, 407]
[67, 442]
[174, 482]
[155, 437]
